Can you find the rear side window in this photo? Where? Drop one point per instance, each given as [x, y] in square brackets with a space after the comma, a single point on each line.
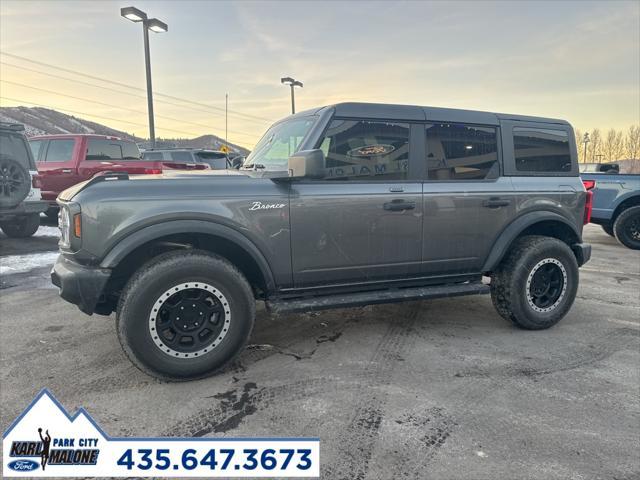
[15, 146]
[60, 150]
[152, 156]
[105, 149]
[184, 157]
[461, 152]
[365, 150]
[541, 150]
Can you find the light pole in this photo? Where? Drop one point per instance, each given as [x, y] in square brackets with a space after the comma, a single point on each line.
[586, 141]
[292, 83]
[155, 25]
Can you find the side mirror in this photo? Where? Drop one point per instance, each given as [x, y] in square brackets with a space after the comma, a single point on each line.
[307, 163]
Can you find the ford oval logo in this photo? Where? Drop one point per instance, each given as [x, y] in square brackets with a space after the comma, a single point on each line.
[23, 465]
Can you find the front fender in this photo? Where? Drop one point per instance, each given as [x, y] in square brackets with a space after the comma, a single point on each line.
[152, 232]
[515, 228]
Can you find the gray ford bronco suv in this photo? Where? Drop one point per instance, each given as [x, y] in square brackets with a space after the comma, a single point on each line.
[345, 205]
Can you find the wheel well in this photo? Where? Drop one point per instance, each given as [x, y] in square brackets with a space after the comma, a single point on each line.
[551, 228]
[629, 202]
[241, 259]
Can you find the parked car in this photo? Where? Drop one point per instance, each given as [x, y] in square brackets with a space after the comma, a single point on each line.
[599, 168]
[345, 205]
[64, 160]
[616, 205]
[215, 159]
[20, 201]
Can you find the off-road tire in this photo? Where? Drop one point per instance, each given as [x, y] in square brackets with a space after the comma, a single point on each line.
[608, 229]
[627, 228]
[509, 289]
[15, 182]
[21, 227]
[145, 289]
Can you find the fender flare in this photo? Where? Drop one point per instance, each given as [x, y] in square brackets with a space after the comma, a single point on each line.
[515, 228]
[623, 198]
[152, 232]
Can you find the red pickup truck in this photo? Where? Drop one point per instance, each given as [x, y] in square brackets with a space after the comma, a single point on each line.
[64, 160]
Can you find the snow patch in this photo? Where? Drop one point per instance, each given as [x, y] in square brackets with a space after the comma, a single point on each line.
[23, 263]
[44, 231]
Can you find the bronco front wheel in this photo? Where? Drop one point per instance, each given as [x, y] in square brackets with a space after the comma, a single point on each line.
[185, 315]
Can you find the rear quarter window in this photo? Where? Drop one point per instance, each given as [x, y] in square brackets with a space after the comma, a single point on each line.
[105, 149]
[541, 150]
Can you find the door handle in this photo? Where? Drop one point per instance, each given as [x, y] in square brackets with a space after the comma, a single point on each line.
[399, 205]
[66, 170]
[496, 202]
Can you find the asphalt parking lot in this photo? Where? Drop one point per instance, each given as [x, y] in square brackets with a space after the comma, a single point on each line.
[440, 389]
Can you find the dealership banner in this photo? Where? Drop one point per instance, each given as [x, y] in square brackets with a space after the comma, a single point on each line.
[45, 441]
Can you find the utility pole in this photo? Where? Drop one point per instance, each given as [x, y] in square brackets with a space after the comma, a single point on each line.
[292, 83]
[226, 120]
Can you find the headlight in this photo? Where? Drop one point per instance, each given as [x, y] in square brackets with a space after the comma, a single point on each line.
[64, 225]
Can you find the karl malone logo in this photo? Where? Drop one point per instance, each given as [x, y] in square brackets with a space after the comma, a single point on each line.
[63, 452]
[64, 441]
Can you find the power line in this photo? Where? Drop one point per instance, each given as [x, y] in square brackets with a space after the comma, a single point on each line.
[234, 112]
[120, 108]
[107, 88]
[95, 116]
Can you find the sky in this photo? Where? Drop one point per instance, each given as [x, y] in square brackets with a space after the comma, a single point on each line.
[576, 60]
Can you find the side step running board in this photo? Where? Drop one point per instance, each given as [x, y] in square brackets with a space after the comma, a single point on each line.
[358, 299]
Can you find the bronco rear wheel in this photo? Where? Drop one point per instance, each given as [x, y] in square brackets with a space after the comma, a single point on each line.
[536, 283]
[185, 315]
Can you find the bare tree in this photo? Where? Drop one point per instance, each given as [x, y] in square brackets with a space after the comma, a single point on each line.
[595, 146]
[579, 144]
[613, 145]
[632, 143]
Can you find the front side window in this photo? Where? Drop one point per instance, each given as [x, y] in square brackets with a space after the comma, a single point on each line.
[151, 156]
[60, 150]
[541, 150]
[460, 152]
[35, 146]
[281, 141]
[366, 150]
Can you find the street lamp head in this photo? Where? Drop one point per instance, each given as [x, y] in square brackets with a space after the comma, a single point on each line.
[291, 81]
[133, 14]
[157, 26]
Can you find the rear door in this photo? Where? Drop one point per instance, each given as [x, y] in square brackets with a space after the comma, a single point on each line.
[362, 222]
[58, 165]
[467, 202]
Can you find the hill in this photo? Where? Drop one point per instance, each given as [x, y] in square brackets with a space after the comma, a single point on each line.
[44, 121]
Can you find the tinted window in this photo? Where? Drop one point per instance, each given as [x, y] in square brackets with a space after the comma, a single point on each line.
[541, 150]
[364, 150]
[152, 156]
[213, 159]
[60, 150]
[184, 157]
[14, 146]
[35, 148]
[460, 152]
[104, 149]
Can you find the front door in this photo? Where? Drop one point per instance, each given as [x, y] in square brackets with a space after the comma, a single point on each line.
[362, 222]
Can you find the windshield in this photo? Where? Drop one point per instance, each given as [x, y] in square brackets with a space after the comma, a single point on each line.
[280, 142]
